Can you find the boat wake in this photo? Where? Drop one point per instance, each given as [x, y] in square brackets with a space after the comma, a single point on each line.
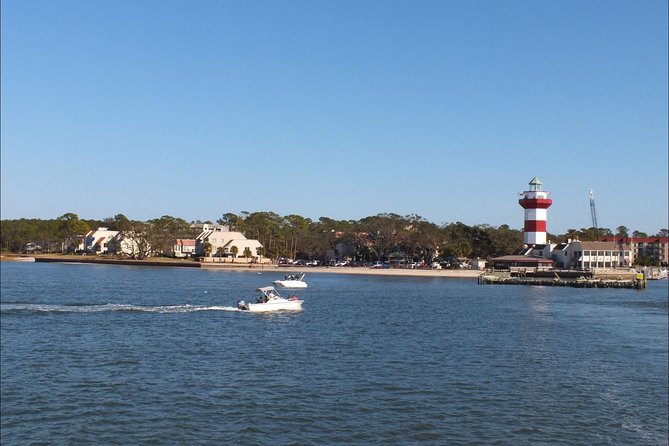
[40, 308]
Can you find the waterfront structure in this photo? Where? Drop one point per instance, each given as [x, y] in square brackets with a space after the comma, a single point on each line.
[538, 253]
[521, 262]
[654, 248]
[105, 241]
[536, 203]
[591, 255]
[97, 240]
[222, 243]
[183, 248]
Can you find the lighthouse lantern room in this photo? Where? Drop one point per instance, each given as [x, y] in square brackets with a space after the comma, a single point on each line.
[536, 203]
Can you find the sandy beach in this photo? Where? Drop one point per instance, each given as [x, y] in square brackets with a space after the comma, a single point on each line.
[282, 269]
[462, 273]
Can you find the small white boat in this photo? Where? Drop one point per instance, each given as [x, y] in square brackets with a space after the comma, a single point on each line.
[270, 300]
[292, 281]
[656, 274]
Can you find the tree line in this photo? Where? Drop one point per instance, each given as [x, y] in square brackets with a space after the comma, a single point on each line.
[293, 236]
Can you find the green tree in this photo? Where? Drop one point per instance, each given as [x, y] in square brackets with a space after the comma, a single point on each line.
[247, 253]
[622, 231]
[163, 232]
[206, 248]
[139, 238]
[457, 241]
[234, 250]
[118, 222]
[294, 229]
[71, 229]
[233, 221]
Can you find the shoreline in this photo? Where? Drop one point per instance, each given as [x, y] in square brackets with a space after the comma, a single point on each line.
[621, 273]
[245, 267]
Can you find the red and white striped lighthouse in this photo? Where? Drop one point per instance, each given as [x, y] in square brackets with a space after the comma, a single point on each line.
[536, 203]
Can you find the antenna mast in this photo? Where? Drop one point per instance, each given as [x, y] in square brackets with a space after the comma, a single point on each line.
[593, 214]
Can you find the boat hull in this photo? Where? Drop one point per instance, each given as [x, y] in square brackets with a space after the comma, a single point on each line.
[292, 305]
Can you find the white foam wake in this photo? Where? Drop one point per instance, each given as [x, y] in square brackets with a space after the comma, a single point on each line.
[41, 308]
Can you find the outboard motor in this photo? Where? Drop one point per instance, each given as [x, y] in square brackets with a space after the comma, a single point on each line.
[242, 305]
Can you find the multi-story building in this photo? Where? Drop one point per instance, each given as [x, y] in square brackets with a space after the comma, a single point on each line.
[654, 248]
[591, 255]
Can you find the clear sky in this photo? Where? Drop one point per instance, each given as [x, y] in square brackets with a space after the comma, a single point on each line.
[344, 109]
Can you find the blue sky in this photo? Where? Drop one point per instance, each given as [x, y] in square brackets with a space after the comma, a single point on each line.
[444, 109]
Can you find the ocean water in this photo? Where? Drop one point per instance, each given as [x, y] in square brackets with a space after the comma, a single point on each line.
[116, 355]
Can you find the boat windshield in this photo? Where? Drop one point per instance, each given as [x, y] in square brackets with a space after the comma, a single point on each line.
[268, 293]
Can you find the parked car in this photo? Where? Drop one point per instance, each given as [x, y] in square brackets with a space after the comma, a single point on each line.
[342, 263]
[377, 265]
[313, 263]
[435, 265]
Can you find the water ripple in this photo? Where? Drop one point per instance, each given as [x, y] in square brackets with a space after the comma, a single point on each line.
[370, 361]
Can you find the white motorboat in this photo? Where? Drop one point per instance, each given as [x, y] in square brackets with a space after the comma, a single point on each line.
[656, 273]
[292, 281]
[270, 300]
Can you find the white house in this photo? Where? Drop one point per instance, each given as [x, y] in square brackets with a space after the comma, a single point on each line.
[97, 240]
[184, 248]
[223, 242]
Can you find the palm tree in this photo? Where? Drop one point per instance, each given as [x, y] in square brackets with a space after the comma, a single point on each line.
[219, 252]
[234, 250]
[206, 247]
[247, 253]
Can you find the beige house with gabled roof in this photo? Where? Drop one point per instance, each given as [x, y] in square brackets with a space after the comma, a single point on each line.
[222, 241]
[96, 240]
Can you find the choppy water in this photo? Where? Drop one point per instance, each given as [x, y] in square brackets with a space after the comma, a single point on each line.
[102, 354]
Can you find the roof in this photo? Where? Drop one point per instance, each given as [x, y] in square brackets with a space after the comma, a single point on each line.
[609, 246]
[536, 181]
[185, 242]
[247, 243]
[636, 239]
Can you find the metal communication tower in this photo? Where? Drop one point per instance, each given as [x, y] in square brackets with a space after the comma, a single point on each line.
[593, 213]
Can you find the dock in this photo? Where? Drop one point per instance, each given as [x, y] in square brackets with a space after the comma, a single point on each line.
[638, 282]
